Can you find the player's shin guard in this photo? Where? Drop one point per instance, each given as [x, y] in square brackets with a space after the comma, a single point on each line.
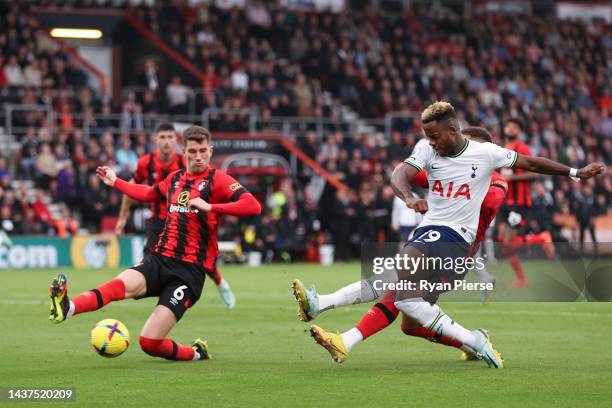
[167, 348]
[379, 316]
[431, 317]
[97, 298]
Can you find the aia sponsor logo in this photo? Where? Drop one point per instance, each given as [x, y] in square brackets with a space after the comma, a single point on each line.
[449, 191]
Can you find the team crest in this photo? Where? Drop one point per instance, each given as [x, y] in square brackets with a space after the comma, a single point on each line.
[202, 185]
[235, 186]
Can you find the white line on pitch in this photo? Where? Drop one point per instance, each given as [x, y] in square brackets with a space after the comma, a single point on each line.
[24, 302]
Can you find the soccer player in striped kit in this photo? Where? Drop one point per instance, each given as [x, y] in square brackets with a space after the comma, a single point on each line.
[153, 168]
[197, 198]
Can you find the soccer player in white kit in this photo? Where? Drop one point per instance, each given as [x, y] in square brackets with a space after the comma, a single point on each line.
[459, 174]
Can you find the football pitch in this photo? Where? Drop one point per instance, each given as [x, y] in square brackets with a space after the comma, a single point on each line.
[557, 354]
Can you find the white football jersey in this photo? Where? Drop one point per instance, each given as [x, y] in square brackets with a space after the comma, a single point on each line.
[459, 183]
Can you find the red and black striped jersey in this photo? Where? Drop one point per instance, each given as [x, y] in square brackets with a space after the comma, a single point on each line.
[489, 208]
[191, 236]
[151, 170]
[519, 192]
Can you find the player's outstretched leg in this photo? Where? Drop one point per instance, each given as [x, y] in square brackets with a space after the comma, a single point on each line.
[434, 319]
[154, 342]
[411, 327]
[311, 303]
[129, 283]
[225, 291]
[378, 317]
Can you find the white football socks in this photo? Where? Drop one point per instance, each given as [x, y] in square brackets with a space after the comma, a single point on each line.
[348, 295]
[351, 338]
[70, 310]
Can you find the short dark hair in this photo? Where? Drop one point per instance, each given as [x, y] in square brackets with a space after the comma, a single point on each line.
[165, 127]
[196, 133]
[517, 122]
[478, 133]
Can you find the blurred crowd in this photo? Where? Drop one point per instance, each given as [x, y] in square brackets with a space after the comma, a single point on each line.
[554, 76]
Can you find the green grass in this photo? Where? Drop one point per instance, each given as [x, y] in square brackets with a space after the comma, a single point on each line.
[557, 354]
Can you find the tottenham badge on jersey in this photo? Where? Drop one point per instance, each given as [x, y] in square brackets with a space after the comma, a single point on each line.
[202, 185]
[474, 168]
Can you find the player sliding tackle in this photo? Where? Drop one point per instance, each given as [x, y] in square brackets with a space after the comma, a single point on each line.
[175, 269]
[458, 174]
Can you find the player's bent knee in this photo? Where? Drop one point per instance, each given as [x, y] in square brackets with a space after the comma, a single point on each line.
[135, 283]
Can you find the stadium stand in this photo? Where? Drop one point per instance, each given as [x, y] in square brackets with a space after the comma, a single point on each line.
[554, 77]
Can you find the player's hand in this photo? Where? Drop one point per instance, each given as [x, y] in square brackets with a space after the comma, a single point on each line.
[417, 204]
[120, 226]
[199, 204]
[591, 170]
[107, 175]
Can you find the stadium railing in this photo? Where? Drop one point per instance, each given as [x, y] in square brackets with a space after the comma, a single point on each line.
[287, 125]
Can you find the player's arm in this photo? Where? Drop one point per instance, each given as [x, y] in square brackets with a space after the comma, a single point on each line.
[400, 182]
[245, 206]
[528, 176]
[230, 198]
[124, 212]
[138, 192]
[525, 176]
[542, 165]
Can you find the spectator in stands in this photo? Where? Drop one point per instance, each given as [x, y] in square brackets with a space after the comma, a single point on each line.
[303, 97]
[92, 202]
[5, 175]
[585, 208]
[541, 218]
[126, 157]
[177, 96]
[65, 189]
[240, 80]
[65, 224]
[14, 73]
[32, 74]
[46, 166]
[41, 211]
[150, 76]
[131, 117]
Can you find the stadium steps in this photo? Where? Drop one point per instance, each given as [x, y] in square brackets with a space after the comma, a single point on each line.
[351, 116]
